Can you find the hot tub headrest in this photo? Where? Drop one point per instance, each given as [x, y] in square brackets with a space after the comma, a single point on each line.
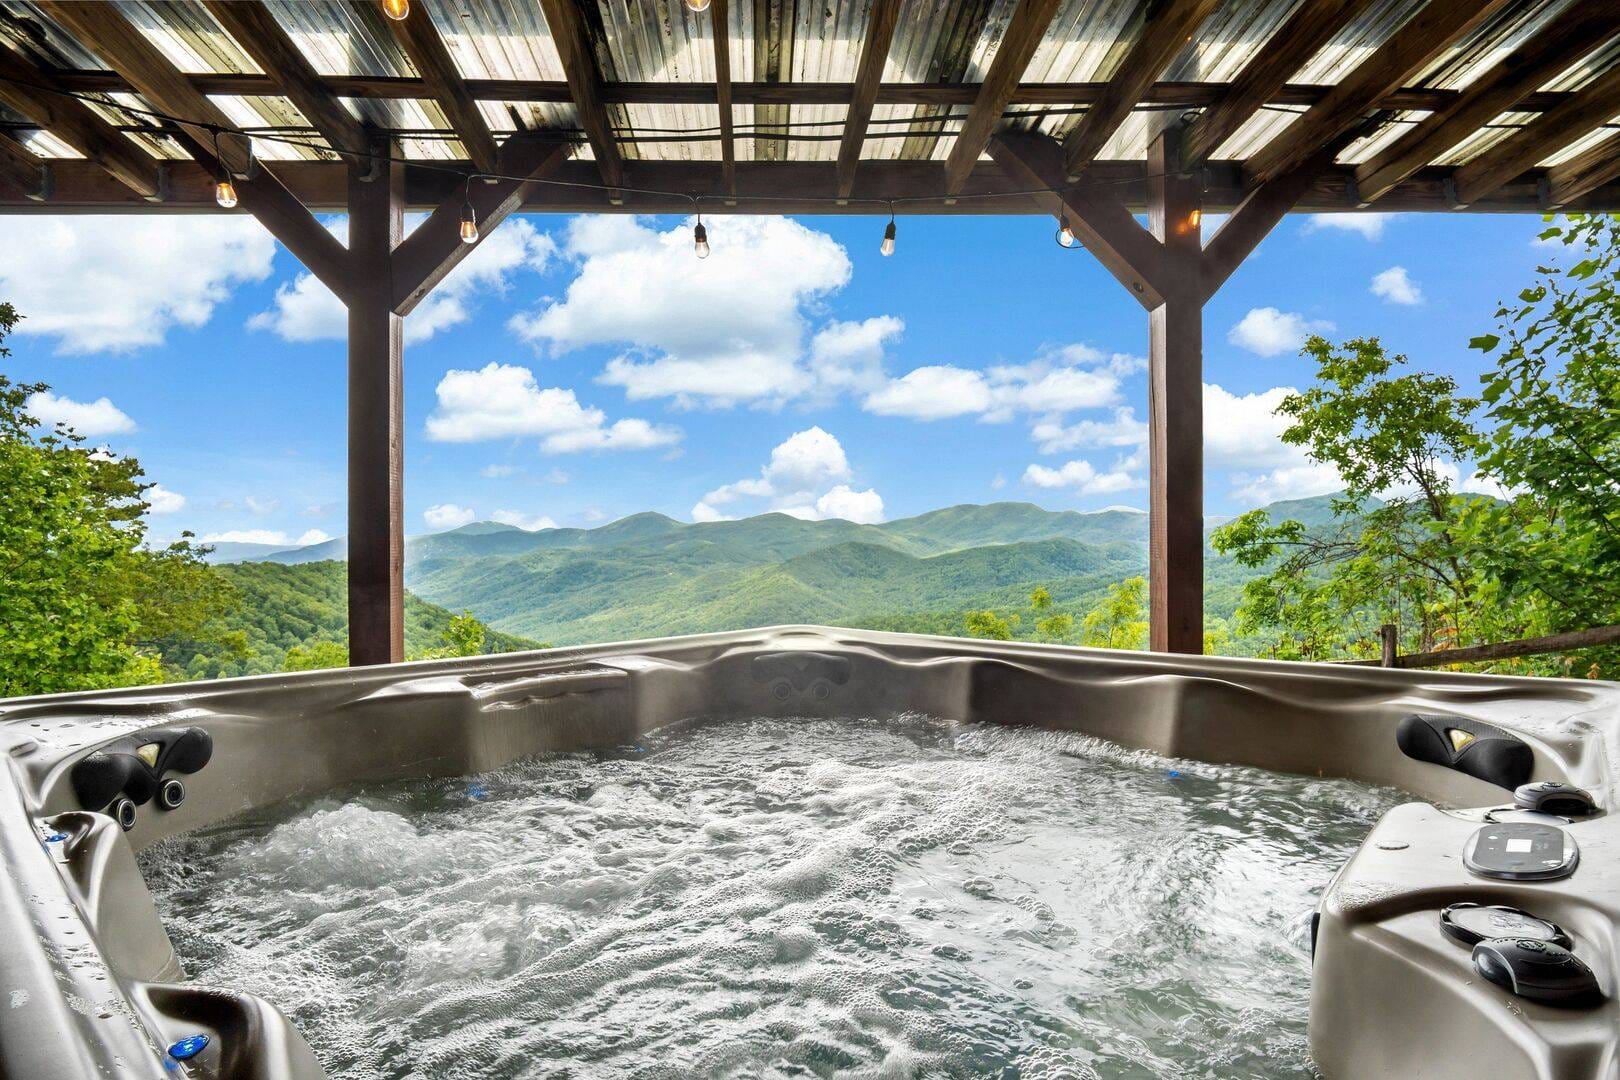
[134, 766]
[1480, 750]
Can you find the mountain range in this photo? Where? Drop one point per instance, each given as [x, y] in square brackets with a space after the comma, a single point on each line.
[649, 575]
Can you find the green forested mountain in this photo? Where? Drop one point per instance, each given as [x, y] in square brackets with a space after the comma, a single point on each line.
[286, 606]
[650, 575]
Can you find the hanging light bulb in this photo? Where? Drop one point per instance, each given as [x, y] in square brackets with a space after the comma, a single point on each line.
[699, 6]
[700, 239]
[1065, 234]
[469, 225]
[888, 236]
[225, 193]
[397, 10]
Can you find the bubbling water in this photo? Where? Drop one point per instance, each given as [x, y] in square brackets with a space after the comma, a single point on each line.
[785, 898]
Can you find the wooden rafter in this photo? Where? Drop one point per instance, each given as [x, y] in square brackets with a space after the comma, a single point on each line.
[103, 29]
[585, 86]
[1560, 44]
[1024, 32]
[399, 87]
[29, 174]
[1594, 105]
[1398, 60]
[1311, 26]
[1591, 168]
[720, 20]
[421, 41]
[1167, 31]
[880, 26]
[435, 247]
[1102, 222]
[35, 95]
[251, 25]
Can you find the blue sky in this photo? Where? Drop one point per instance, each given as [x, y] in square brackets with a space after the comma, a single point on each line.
[578, 370]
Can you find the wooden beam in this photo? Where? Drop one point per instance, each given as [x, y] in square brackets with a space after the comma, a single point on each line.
[1591, 168]
[1097, 216]
[1252, 220]
[1595, 637]
[397, 87]
[1399, 59]
[435, 247]
[1176, 409]
[104, 30]
[35, 95]
[28, 174]
[250, 25]
[585, 86]
[1311, 26]
[1559, 44]
[1168, 28]
[792, 187]
[421, 41]
[376, 421]
[1598, 103]
[868, 76]
[720, 21]
[1024, 32]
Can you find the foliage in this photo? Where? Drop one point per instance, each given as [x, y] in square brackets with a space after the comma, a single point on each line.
[1055, 628]
[315, 656]
[987, 624]
[1120, 620]
[463, 637]
[83, 603]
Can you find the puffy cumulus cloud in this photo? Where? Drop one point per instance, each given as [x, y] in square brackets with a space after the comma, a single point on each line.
[1243, 433]
[306, 310]
[1266, 331]
[1121, 429]
[720, 331]
[88, 418]
[1289, 482]
[1367, 226]
[113, 284]
[160, 500]
[273, 537]
[503, 401]
[526, 522]
[848, 356]
[1083, 478]
[1396, 286]
[1056, 382]
[449, 516]
[806, 477]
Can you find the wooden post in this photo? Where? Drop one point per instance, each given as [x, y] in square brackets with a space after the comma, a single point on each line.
[1389, 639]
[376, 418]
[1176, 407]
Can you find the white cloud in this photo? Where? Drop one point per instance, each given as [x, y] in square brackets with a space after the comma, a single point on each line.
[306, 310]
[932, 393]
[503, 401]
[448, 516]
[261, 506]
[1367, 226]
[497, 472]
[160, 500]
[1290, 482]
[526, 522]
[1124, 429]
[848, 356]
[273, 537]
[113, 284]
[718, 331]
[1056, 382]
[88, 418]
[1267, 331]
[1083, 477]
[1243, 433]
[312, 536]
[1396, 286]
[805, 477]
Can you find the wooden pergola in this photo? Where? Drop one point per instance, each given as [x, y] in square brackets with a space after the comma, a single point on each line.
[1086, 111]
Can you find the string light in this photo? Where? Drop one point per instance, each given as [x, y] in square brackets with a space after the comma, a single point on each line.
[224, 190]
[398, 10]
[888, 234]
[698, 6]
[700, 239]
[469, 217]
[1065, 233]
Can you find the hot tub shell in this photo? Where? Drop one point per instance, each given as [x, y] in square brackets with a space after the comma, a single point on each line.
[94, 987]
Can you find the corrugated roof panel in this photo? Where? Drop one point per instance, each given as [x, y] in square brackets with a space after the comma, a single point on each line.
[827, 40]
[829, 121]
[659, 41]
[340, 38]
[1584, 143]
[1575, 77]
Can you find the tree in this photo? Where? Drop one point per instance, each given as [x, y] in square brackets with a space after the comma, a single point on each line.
[316, 655]
[987, 624]
[83, 603]
[465, 636]
[1120, 620]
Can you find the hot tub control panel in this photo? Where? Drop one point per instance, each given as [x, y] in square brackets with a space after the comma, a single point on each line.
[1521, 851]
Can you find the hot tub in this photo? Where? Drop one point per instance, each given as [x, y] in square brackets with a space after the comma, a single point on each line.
[93, 987]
